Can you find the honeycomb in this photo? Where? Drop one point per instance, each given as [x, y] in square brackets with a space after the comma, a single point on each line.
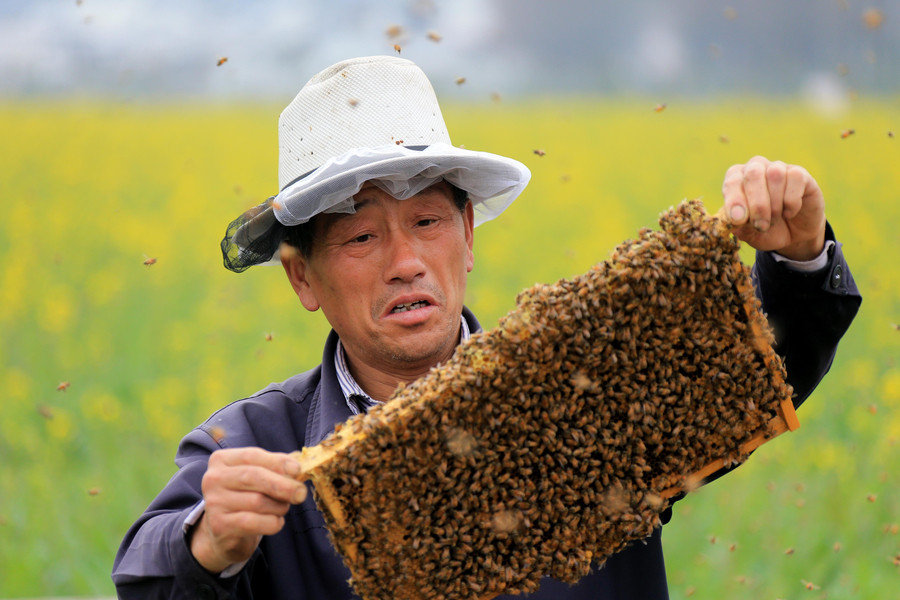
[552, 441]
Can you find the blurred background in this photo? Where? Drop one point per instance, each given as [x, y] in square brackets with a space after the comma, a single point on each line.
[132, 132]
[162, 49]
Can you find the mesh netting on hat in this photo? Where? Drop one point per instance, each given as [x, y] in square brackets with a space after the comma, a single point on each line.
[492, 181]
[252, 238]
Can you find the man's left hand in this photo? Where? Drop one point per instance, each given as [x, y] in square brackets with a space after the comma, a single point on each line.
[775, 206]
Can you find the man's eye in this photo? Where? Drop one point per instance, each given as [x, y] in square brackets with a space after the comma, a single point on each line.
[426, 222]
[361, 238]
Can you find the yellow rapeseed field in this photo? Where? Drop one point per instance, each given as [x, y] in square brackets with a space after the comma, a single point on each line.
[121, 330]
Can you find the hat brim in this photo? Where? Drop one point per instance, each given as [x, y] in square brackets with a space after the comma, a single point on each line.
[492, 182]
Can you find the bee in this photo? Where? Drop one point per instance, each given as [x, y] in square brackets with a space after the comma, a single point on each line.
[63, 386]
[659, 108]
[789, 552]
[539, 152]
[872, 497]
[269, 336]
[873, 18]
[353, 102]
[730, 13]
[93, 491]
[836, 547]
[397, 48]
[394, 31]
[847, 133]
[809, 584]
[45, 411]
[150, 261]
[460, 80]
[890, 134]
[222, 61]
[217, 433]
[434, 36]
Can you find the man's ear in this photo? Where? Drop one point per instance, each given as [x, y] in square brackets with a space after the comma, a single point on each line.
[297, 269]
[469, 222]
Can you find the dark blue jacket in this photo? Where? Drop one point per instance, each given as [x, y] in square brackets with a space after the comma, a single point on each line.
[810, 313]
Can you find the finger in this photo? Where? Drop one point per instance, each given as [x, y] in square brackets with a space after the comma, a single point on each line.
[795, 188]
[241, 524]
[776, 181]
[733, 195]
[230, 501]
[757, 193]
[251, 478]
[274, 461]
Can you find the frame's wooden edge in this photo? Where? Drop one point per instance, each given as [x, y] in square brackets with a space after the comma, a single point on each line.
[774, 428]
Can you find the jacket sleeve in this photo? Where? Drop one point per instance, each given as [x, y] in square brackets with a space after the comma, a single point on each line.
[154, 560]
[809, 313]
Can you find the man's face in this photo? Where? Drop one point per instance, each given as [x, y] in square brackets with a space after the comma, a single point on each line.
[391, 277]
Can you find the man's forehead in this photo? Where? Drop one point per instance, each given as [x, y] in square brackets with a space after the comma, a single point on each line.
[371, 194]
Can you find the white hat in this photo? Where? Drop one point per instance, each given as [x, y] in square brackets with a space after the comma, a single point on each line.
[365, 119]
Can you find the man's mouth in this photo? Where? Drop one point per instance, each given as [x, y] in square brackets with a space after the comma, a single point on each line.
[409, 306]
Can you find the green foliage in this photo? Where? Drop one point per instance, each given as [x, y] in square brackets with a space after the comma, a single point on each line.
[91, 192]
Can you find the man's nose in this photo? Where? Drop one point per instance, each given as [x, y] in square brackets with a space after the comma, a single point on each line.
[404, 261]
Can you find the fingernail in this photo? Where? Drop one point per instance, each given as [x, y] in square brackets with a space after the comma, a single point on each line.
[299, 495]
[737, 212]
[761, 224]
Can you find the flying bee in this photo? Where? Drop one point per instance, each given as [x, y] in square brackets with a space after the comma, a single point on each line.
[873, 18]
[63, 386]
[460, 80]
[222, 61]
[217, 433]
[397, 48]
[847, 133]
[539, 152]
[659, 107]
[150, 261]
[434, 36]
[93, 491]
[809, 584]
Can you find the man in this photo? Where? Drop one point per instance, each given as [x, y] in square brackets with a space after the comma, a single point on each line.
[377, 210]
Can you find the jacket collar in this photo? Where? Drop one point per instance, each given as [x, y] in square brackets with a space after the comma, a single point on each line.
[328, 406]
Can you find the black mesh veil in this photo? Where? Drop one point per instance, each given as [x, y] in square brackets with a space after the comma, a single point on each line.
[252, 239]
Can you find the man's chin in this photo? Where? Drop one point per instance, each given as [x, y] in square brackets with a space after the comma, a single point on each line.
[419, 352]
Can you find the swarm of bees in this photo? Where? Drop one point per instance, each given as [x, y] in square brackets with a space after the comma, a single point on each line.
[551, 442]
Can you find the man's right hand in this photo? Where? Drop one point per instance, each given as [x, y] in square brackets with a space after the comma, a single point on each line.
[247, 493]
